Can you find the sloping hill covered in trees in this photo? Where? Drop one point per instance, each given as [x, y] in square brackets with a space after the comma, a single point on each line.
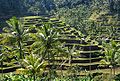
[34, 7]
[60, 37]
[88, 54]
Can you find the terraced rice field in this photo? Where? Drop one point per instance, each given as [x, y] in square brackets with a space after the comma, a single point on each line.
[88, 56]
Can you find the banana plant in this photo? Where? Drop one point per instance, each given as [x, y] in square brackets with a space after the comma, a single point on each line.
[112, 54]
[34, 65]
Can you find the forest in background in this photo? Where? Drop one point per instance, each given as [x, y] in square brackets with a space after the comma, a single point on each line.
[73, 12]
[47, 7]
[84, 32]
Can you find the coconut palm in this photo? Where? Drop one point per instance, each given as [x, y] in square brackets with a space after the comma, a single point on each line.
[47, 43]
[17, 29]
[13, 36]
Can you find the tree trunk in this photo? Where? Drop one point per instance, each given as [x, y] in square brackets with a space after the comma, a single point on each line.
[49, 74]
[20, 48]
[113, 70]
[110, 74]
[34, 77]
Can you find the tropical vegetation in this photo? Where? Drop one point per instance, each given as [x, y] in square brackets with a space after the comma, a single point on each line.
[59, 40]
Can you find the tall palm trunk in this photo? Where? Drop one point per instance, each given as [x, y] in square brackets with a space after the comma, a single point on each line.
[20, 52]
[34, 77]
[113, 70]
[20, 49]
[49, 75]
[111, 73]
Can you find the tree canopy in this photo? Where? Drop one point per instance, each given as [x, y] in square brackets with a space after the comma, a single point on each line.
[21, 7]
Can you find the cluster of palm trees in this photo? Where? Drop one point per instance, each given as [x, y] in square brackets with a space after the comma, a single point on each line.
[44, 47]
[34, 57]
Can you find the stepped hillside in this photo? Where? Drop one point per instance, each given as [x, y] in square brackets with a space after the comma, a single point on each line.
[88, 56]
[108, 24]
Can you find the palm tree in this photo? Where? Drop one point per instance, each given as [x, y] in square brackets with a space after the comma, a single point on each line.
[47, 43]
[17, 31]
[14, 36]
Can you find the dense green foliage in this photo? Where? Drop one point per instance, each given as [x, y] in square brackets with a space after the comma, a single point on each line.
[12, 77]
[21, 7]
[76, 17]
[44, 47]
[73, 12]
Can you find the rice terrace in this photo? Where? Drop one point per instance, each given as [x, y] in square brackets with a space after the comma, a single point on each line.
[60, 40]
